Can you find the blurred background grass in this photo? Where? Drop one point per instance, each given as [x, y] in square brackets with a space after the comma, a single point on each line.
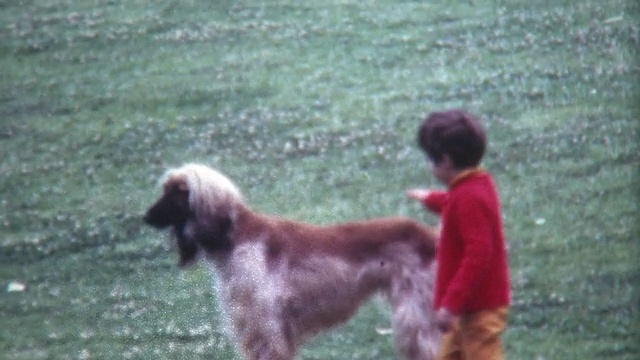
[312, 109]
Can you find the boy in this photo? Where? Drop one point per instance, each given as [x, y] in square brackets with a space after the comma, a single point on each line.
[472, 292]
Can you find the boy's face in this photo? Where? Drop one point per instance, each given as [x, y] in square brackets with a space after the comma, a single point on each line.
[444, 170]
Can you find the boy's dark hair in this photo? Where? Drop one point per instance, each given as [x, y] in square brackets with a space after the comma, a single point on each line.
[455, 133]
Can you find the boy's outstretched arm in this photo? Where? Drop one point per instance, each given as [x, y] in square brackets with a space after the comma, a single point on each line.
[434, 200]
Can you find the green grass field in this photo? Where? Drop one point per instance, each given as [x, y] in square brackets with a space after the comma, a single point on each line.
[311, 108]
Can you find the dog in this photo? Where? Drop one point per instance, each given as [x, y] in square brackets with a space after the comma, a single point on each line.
[280, 282]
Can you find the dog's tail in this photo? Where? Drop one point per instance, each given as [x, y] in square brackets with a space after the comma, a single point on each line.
[416, 335]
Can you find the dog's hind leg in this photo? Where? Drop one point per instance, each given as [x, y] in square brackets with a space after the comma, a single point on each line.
[416, 335]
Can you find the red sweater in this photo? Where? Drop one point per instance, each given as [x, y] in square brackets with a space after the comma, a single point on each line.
[472, 272]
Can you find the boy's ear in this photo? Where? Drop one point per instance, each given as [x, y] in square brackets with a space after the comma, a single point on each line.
[447, 161]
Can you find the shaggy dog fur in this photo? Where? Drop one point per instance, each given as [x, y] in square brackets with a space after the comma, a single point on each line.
[281, 282]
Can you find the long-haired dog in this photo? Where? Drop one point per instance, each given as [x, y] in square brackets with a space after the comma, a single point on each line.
[281, 282]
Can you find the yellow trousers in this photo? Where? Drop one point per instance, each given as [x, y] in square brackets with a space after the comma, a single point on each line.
[475, 336]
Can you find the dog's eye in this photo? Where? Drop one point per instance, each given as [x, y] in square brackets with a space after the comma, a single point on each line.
[175, 189]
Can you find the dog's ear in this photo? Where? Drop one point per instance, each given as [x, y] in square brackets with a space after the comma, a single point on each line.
[212, 237]
[215, 234]
[187, 249]
[172, 209]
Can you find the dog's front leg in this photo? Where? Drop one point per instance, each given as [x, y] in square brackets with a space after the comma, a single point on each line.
[264, 349]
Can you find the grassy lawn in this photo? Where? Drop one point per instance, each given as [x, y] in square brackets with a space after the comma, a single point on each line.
[311, 108]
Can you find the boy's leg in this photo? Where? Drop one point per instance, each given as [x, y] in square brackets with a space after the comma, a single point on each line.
[480, 334]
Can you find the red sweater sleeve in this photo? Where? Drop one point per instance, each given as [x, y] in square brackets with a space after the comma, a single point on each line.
[436, 201]
[474, 225]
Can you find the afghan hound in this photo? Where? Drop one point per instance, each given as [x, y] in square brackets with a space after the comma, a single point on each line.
[281, 282]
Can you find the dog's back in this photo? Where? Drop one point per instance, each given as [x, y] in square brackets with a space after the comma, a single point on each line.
[353, 240]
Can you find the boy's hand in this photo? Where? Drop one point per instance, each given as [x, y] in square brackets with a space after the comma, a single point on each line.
[445, 319]
[418, 194]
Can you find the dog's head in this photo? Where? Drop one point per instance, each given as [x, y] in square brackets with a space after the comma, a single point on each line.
[199, 204]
